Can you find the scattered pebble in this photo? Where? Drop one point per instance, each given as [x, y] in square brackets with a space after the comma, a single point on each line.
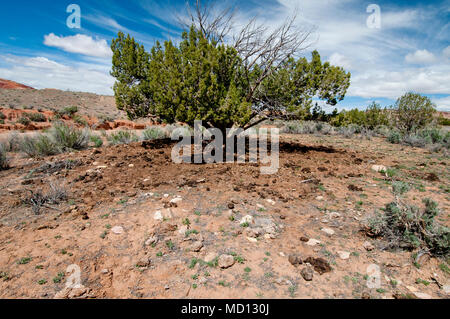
[117, 230]
[328, 231]
[307, 273]
[226, 261]
[344, 255]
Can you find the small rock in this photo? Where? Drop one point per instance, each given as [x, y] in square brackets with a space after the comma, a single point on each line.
[320, 198]
[226, 261]
[144, 262]
[131, 165]
[150, 241]
[307, 273]
[379, 168]
[368, 246]
[304, 239]
[313, 242]
[270, 201]
[158, 215]
[197, 246]
[295, 260]
[246, 220]
[105, 271]
[230, 206]
[117, 230]
[320, 265]
[328, 231]
[334, 215]
[252, 240]
[182, 231]
[446, 289]
[176, 200]
[422, 295]
[344, 255]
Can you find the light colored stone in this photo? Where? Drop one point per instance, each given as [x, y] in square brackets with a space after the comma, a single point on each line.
[131, 165]
[270, 201]
[344, 255]
[334, 215]
[117, 230]
[446, 289]
[226, 261]
[163, 214]
[313, 242]
[151, 240]
[182, 231]
[379, 168]
[246, 219]
[252, 240]
[328, 231]
[197, 246]
[176, 200]
[158, 215]
[422, 295]
[320, 198]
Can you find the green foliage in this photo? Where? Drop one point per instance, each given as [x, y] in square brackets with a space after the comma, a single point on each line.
[69, 111]
[153, 133]
[407, 227]
[24, 121]
[413, 112]
[443, 121]
[3, 158]
[2, 116]
[40, 145]
[36, 117]
[97, 140]
[122, 137]
[61, 138]
[202, 80]
[394, 137]
[69, 138]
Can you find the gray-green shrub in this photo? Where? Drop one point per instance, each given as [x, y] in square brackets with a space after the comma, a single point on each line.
[122, 137]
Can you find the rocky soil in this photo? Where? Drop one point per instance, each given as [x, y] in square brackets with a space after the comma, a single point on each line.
[136, 225]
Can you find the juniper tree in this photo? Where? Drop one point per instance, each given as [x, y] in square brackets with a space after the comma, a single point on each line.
[205, 78]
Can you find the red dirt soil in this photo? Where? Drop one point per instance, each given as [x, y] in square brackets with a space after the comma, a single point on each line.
[7, 84]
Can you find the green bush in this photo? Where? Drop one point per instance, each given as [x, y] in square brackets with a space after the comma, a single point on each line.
[40, 145]
[413, 112]
[97, 140]
[122, 137]
[36, 117]
[394, 137]
[408, 227]
[24, 120]
[3, 158]
[2, 116]
[69, 110]
[69, 138]
[153, 133]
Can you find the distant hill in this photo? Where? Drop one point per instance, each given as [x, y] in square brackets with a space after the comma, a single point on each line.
[11, 85]
[18, 96]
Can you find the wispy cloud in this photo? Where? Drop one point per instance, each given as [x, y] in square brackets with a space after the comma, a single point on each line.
[79, 43]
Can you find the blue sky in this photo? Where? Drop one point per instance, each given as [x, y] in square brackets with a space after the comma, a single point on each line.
[409, 51]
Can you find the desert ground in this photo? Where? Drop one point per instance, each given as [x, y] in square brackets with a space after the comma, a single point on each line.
[137, 225]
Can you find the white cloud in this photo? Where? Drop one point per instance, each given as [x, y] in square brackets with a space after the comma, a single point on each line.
[446, 52]
[40, 73]
[79, 43]
[442, 104]
[420, 57]
[392, 84]
[340, 60]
